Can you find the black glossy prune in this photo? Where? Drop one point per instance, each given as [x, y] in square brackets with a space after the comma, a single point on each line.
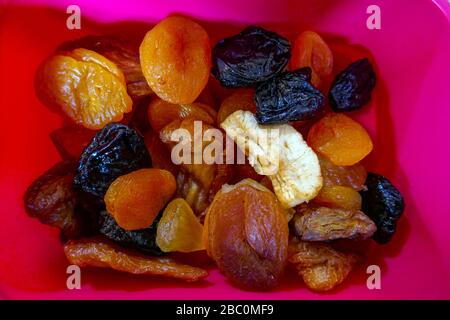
[288, 97]
[143, 240]
[252, 56]
[384, 204]
[115, 150]
[352, 88]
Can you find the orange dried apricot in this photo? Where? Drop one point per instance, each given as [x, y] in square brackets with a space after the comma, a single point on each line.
[179, 229]
[176, 59]
[242, 99]
[135, 199]
[339, 138]
[339, 197]
[348, 176]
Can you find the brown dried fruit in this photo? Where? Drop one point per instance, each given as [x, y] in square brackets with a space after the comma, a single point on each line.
[160, 153]
[195, 195]
[348, 176]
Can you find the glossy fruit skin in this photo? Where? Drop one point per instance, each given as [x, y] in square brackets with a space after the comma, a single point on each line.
[339, 197]
[242, 99]
[115, 150]
[384, 204]
[143, 240]
[353, 176]
[250, 57]
[286, 97]
[70, 141]
[352, 88]
[176, 59]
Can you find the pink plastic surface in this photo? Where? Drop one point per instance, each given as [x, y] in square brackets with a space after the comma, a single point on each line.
[408, 120]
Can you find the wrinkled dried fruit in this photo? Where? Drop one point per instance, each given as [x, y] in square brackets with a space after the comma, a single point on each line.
[86, 86]
[240, 100]
[248, 235]
[176, 59]
[115, 150]
[71, 141]
[179, 229]
[225, 174]
[348, 176]
[136, 198]
[195, 195]
[123, 54]
[160, 153]
[339, 138]
[321, 267]
[97, 252]
[321, 224]
[280, 153]
[352, 88]
[339, 197]
[143, 240]
[252, 56]
[384, 204]
[161, 113]
[310, 50]
[288, 96]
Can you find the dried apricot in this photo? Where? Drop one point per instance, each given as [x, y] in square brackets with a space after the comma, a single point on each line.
[135, 199]
[339, 197]
[310, 50]
[348, 176]
[160, 153]
[242, 99]
[176, 59]
[339, 138]
[71, 141]
[179, 229]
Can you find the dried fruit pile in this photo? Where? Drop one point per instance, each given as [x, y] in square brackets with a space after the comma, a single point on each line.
[151, 167]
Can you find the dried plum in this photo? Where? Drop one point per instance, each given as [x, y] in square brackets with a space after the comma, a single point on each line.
[254, 55]
[352, 88]
[115, 150]
[384, 204]
[288, 97]
[143, 240]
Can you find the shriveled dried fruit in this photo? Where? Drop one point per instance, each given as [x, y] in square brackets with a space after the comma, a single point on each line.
[347, 176]
[143, 240]
[119, 51]
[239, 100]
[248, 235]
[288, 96]
[310, 50]
[193, 192]
[115, 150]
[339, 197]
[96, 252]
[176, 59]
[384, 204]
[252, 56]
[179, 229]
[87, 87]
[136, 198]
[71, 141]
[313, 223]
[279, 152]
[160, 153]
[339, 138]
[321, 267]
[352, 88]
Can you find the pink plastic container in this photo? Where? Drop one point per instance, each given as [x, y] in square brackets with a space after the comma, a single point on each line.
[408, 120]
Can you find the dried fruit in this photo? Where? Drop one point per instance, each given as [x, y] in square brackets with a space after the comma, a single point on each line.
[86, 86]
[176, 59]
[136, 198]
[239, 100]
[286, 97]
[348, 176]
[97, 252]
[71, 141]
[321, 267]
[248, 235]
[384, 204]
[252, 56]
[195, 195]
[119, 51]
[161, 158]
[138, 119]
[161, 113]
[179, 228]
[143, 240]
[115, 150]
[339, 138]
[280, 153]
[310, 50]
[339, 197]
[313, 223]
[352, 88]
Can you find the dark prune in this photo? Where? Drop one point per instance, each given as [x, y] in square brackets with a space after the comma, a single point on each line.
[52, 200]
[115, 150]
[254, 55]
[384, 204]
[288, 97]
[143, 240]
[352, 88]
